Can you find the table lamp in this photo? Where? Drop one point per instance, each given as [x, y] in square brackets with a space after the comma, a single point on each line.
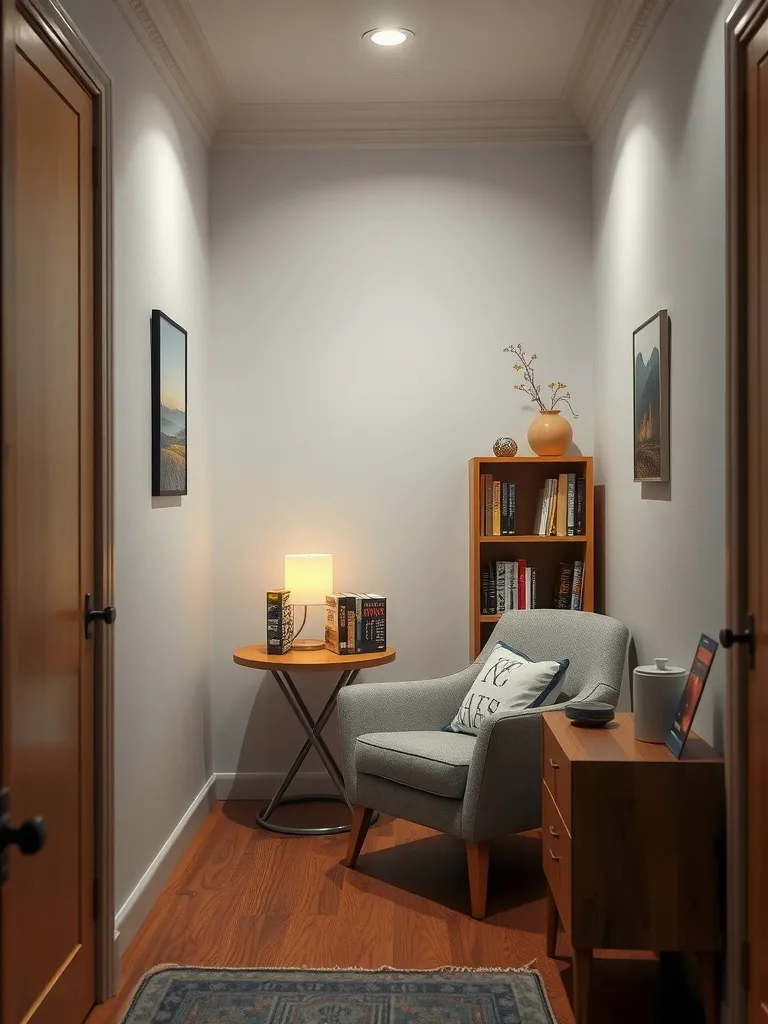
[309, 579]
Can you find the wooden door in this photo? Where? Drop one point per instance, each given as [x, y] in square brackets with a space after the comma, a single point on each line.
[48, 930]
[756, 520]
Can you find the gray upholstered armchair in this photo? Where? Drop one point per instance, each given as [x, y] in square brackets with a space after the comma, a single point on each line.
[398, 761]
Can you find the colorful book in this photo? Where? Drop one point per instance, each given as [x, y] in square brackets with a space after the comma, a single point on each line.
[562, 506]
[336, 624]
[521, 567]
[374, 624]
[577, 590]
[571, 519]
[279, 622]
[581, 507]
[563, 594]
[350, 600]
[496, 521]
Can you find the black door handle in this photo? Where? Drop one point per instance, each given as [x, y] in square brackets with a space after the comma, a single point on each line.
[728, 638]
[30, 836]
[107, 615]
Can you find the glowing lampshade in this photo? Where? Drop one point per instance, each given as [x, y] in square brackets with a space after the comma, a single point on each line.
[309, 578]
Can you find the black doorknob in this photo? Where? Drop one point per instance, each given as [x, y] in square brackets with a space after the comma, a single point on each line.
[30, 836]
[747, 637]
[107, 615]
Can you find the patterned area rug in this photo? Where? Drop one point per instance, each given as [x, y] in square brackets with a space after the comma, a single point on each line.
[195, 995]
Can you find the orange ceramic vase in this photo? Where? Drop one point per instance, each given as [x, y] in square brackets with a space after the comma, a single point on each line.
[550, 434]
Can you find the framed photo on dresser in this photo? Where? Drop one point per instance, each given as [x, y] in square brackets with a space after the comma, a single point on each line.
[694, 687]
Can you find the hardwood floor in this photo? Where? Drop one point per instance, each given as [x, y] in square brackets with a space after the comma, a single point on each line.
[244, 897]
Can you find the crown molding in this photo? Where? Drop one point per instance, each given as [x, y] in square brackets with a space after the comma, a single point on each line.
[174, 41]
[614, 40]
[397, 125]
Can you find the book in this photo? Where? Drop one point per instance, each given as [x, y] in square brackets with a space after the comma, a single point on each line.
[350, 601]
[487, 505]
[533, 587]
[580, 526]
[521, 567]
[563, 593]
[515, 583]
[562, 506]
[504, 507]
[552, 518]
[485, 589]
[279, 622]
[509, 568]
[511, 523]
[374, 624]
[538, 519]
[577, 588]
[528, 603]
[571, 518]
[496, 520]
[335, 624]
[501, 572]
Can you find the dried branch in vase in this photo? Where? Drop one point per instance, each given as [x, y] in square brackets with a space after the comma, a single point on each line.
[558, 390]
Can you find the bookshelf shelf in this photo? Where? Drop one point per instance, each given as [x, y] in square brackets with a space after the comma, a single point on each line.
[532, 539]
[544, 553]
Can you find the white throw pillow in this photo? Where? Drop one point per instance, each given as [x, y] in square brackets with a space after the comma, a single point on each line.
[508, 681]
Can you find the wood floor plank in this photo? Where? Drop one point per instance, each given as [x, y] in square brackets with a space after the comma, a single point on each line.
[244, 897]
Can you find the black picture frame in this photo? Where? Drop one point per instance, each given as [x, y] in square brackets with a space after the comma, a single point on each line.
[169, 421]
[677, 736]
[650, 399]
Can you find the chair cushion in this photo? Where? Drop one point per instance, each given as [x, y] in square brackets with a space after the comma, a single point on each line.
[434, 762]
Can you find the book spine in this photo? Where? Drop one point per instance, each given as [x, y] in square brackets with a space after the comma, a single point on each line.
[358, 623]
[279, 639]
[500, 572]
[578, 573]
[512, 524]
[551, 524]
[581, 506]
[335, 639]
[528, 588]
[349, 601]
[515, 600]
[571, 519]
[508, 567]
[544, 518]
[504, 507]
[533, 587]
[521, 583]
[496, 508]
[484, 583]
[492, 589]
[562, 505]
[563, 600]
[488, 506]
[374, 624]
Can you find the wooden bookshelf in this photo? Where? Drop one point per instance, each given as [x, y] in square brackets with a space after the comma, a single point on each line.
[546, 553]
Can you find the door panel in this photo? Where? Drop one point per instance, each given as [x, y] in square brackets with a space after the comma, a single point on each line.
[48, 487]
[757, 522]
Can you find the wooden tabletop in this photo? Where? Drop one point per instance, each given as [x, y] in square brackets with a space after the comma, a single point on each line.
[323, 660]
[616, 742]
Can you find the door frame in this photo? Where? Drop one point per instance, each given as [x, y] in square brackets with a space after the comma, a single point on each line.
[741, 25]
[50, 19]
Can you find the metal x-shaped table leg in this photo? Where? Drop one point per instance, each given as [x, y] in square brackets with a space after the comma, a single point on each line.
[313, 730]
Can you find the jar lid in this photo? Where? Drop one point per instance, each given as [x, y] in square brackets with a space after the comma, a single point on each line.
[660, 668]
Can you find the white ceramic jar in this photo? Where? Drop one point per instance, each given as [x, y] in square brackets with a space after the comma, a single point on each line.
[657, 692]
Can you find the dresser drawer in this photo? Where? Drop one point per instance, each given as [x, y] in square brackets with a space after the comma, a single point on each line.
[556, 771]
[556, 856]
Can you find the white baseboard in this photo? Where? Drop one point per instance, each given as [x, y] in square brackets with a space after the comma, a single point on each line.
[133, 912]
[263, 785]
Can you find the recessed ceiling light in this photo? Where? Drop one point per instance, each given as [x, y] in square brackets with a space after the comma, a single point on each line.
[388, 36]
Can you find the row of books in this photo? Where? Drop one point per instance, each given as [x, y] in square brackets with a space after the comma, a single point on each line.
[355, 623]
[511, 586]
[497, 506]
[561, 510]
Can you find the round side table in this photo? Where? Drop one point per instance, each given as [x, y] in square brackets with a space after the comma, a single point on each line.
[280, 665]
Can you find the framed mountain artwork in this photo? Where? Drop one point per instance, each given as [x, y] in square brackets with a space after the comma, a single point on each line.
[169, 406]
[651, 399]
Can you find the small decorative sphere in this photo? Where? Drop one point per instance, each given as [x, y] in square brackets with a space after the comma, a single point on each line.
[505, 448]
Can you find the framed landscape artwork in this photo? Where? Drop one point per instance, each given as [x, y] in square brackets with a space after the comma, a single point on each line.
[169, 406]
[651, 399]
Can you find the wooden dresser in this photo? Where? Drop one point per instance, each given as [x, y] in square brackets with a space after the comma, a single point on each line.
[632, 844]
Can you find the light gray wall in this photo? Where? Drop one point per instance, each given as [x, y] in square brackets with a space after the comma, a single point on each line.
[162, 555]
[361, 303]
[660, 243]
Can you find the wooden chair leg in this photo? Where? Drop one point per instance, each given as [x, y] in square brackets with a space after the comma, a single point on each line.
[361, 822]
[552, 923]
[477, 863]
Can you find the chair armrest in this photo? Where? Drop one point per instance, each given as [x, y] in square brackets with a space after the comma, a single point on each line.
[503, 793]
[397, 707]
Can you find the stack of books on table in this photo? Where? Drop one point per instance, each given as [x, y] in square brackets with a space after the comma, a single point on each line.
[355, 623]
[561, 510]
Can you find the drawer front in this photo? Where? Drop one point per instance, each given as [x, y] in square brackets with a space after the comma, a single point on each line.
[556, 771]
[556, 856]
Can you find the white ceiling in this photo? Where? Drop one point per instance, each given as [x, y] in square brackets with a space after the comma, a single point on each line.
[304, 51]
[286, 72]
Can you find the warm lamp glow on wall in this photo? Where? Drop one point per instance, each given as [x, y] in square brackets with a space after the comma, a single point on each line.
[309, 579]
